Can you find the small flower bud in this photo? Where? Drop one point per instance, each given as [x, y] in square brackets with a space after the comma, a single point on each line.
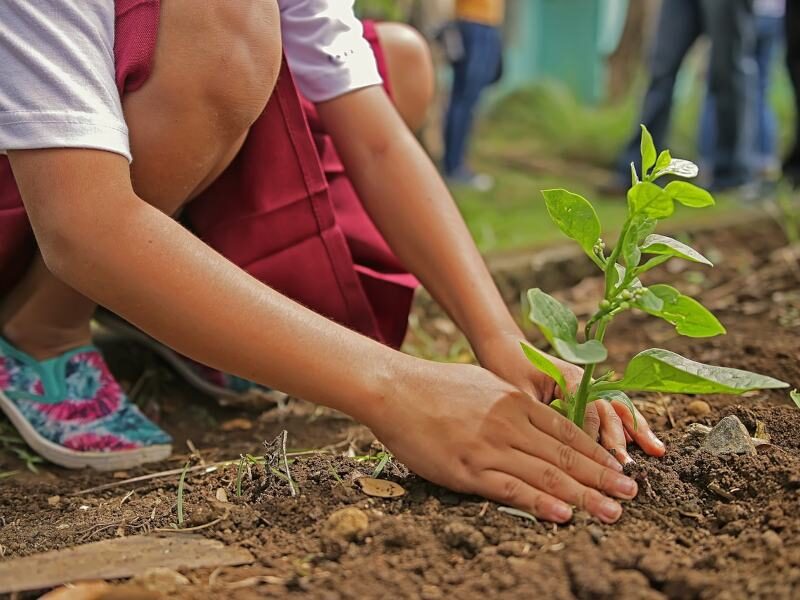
[605, 304]
[625, 305]
[626, 295]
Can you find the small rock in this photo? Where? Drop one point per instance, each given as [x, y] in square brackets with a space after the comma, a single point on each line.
[431, 592]
[161, 579]
[727, 513]
[656, 566]
[729, 436]
[221, 495]
[466, 537]
[698, 408]
[347, 524]
[597, 533]
[734, 527]
[54, 500]
[513, 548]
[772, 540]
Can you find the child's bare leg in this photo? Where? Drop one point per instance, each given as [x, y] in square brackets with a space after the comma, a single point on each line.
[411, 75]
[215, 67]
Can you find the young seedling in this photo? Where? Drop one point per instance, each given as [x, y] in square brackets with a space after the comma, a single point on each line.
[181, 483]
[638, 251]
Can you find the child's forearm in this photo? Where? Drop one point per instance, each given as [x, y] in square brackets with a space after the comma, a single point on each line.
[101, 239]
[412, 207]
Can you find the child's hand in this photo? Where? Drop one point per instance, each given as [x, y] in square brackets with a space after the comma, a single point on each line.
[465, 428]
[611, 424]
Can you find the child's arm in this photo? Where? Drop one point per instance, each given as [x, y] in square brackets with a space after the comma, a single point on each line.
[412, 207]
[457, 425]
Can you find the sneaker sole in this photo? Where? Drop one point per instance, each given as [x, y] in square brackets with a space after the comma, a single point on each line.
[121, 329]
[72, 459]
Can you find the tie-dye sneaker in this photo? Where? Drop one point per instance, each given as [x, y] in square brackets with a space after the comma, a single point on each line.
[230, 390]
[71, 410]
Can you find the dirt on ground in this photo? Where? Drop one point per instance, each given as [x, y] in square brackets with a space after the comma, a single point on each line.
[703, 526]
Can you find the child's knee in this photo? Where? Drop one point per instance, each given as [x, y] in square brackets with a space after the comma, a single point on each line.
[241, 70]
[411, 73]
[219, 57]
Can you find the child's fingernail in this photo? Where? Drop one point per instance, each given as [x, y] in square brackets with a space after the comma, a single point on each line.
[610, 510]
[654, 438]
[562, 512]
[627, 487]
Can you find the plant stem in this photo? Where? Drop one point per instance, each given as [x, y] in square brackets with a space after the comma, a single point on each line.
[611, 264]
[582, 395]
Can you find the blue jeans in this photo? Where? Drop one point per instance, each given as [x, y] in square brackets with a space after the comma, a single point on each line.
[731, 26]
[476, 70]
[763, 125]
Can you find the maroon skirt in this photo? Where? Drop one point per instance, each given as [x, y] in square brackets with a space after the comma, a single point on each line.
[284, 210]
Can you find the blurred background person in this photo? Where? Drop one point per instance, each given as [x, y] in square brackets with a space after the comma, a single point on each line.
[730, 24]
[769, 15]
[791, 165]
[477, 63]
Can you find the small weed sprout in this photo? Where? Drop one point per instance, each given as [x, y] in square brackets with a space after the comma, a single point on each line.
[638, 251]
[788, 213]
[181, 484]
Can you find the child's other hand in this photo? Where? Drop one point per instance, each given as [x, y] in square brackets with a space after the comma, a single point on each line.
[465, 428]
[610, 423]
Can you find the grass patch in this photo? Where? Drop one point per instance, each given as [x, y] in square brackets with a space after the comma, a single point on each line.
[542, 137]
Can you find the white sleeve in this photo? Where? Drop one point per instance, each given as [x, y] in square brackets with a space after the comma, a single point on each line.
[57, 83]
[325, 47]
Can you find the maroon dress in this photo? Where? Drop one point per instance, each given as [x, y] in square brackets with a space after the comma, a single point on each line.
[284, 210]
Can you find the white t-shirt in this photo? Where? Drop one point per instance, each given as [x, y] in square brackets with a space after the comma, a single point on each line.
[57, 77]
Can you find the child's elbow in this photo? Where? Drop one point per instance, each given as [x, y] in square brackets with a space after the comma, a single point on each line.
[63, 251]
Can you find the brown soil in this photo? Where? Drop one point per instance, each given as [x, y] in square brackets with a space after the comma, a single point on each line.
[702, 526]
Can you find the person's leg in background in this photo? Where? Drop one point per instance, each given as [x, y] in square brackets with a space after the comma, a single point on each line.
[731, 26]
[472, 74]
[769, 33]
[411, 74]
[791, 164]
[679, 26]
[768, 38]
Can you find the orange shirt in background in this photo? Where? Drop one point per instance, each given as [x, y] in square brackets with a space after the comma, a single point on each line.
[487, 12]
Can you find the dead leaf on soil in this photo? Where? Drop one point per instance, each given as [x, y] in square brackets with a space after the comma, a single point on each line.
[761, 431]
[239, 424]
[380, 488]
[116, 559]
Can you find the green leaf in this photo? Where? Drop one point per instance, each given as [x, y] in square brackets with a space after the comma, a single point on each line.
[587, 353]
[658, 370]
[631, 253]
[649, 200]
[560, 327]
[634, 176]
[645, 228]
[661, 244]
[690, 318]
[648, 152]
[677, 167]
[795, 396]
[574, 216]
[649, 303]
[558, 405]
[541, 362]
[616, 396]
[553, 318]
[663, 162]
[689, 194]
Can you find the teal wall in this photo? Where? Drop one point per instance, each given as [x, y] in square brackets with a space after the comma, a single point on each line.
[562, 40]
